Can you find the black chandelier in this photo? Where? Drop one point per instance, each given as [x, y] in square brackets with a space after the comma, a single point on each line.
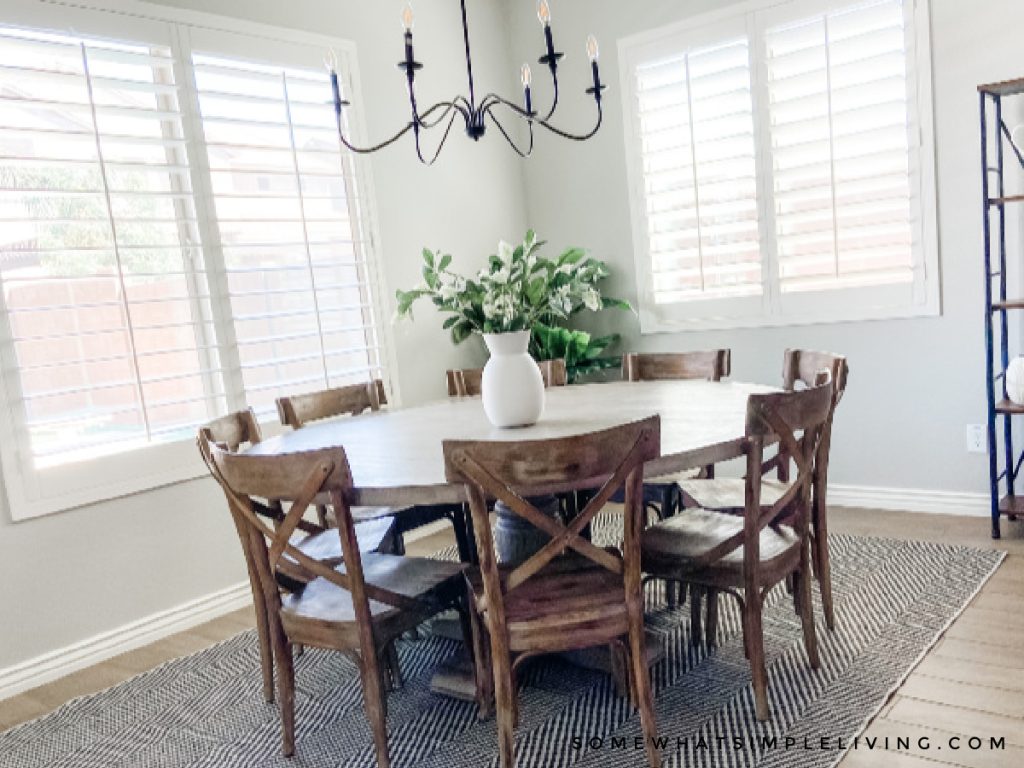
[475, 115]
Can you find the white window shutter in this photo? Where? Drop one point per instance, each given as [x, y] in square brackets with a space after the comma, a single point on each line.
[840, 127]
[286, 211]
[700, 184]
[99, 249]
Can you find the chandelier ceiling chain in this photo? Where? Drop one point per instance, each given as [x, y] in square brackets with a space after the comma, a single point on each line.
[476, 115]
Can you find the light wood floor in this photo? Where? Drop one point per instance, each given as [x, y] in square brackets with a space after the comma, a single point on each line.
[970, 684]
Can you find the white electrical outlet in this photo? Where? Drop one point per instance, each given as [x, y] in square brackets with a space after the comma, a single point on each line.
[977, 438]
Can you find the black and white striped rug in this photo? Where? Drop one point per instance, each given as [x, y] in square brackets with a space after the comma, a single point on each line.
[893, 600]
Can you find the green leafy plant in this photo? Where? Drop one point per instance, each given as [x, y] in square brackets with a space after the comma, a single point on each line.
[583, 353]
[521, 290]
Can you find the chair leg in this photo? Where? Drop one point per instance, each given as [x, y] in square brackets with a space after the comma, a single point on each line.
[504, 698]
[711, 621]
[458, 518]
[375, 702]
[263, 636]
[804, 586]
[695, 601]
[394, 669]
[755, 652]
[671, 593]
[642, 680]
[622, 672]
[285, 690]
[824, 569]
[482, 672]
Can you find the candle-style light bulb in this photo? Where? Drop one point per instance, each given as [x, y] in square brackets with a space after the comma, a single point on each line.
[407, 18]
[593, 52]
[331, 60]
[527, 76]
[544, 12]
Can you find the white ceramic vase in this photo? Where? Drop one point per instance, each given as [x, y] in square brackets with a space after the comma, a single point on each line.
[1015, 381]
[512, 387]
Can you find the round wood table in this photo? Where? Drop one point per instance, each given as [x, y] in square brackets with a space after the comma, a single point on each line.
[396, 459]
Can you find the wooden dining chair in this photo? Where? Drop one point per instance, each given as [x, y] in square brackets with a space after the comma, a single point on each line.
[661, 494]
[571, 594]
[746, 556]
[467, 382]
[712, 365]
[358, 607]
[297, 411]
[232, 433]
[801, 368]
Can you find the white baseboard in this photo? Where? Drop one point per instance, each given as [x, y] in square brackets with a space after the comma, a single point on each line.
[56, 664]
[910, 500]
[51, 666]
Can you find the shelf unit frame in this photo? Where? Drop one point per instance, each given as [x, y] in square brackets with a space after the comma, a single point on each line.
[1002, 479]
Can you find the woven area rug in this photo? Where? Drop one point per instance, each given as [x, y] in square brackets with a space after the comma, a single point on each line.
[893, 600]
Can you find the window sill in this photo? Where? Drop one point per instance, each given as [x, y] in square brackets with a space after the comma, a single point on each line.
[671, 318]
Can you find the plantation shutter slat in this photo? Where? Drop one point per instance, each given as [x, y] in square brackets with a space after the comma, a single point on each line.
[288, 220]
[837, 89]
[698, 160]
[99, 253]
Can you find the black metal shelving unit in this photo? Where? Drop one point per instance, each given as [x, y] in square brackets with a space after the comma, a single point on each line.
[1003, 465]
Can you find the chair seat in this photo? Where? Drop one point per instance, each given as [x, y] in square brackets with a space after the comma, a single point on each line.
[729, 493]
[567, 605]
[326, 546]
[363, 514]
[324, 602]
[687, 543]
[674, 478]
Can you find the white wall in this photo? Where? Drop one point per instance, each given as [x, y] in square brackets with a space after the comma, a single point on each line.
[914, 384]
[69, 576]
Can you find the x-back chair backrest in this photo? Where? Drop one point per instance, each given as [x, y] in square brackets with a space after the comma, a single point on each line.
[512, 472]
[806, 367]
[234, 430]
[298, 478]
[467, 382]
[297, 410]
[712, 365]
[781, 416]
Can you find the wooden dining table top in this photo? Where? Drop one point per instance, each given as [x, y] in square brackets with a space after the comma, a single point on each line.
[396, 458]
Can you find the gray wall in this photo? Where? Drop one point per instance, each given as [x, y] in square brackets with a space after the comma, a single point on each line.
[914, 384]
[72, 575]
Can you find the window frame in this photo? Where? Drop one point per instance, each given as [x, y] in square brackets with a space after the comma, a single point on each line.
[32, 492]
[920, 298]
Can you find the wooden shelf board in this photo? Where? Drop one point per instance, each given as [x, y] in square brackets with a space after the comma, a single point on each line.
[1006, 199]
[1012, 505]
[1004, 87]
[1005, 406]
[1008, 304]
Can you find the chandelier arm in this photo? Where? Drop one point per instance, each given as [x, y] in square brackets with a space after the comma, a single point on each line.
[375, 147]
[554, 99]
[522, 153]
[423, 119]
[554, 129]
[425, 122]
[576, 136]
[440, 146]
